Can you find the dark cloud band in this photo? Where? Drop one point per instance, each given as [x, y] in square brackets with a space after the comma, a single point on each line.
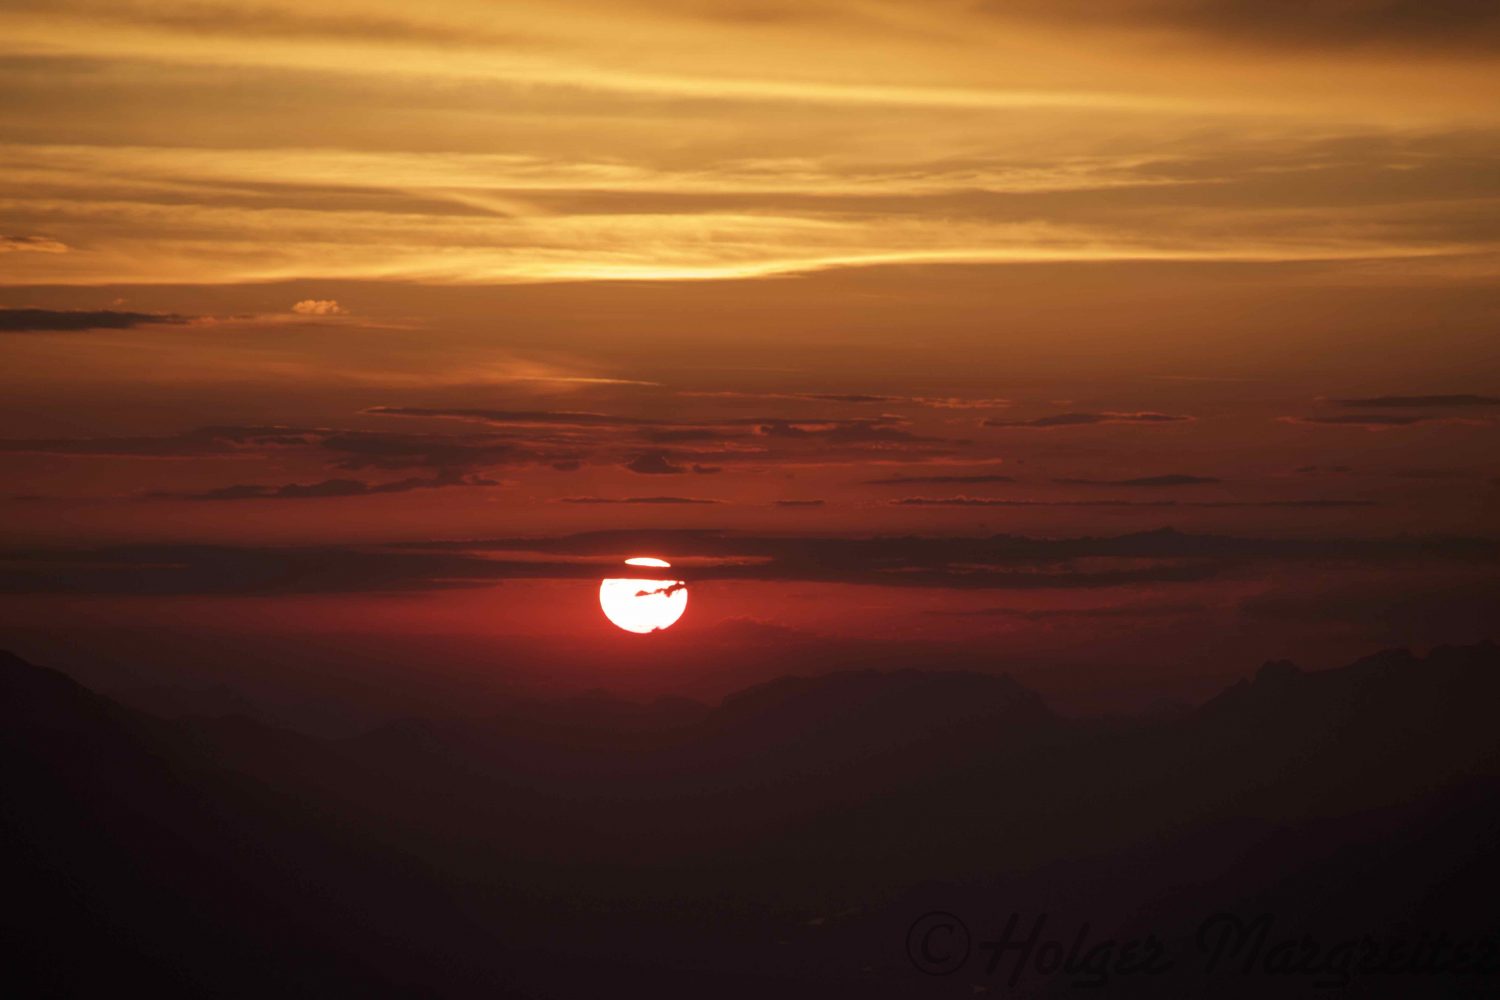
[74, 320]
[994, 562]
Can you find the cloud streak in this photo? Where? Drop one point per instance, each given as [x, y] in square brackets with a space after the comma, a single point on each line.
[1443, 24]
[963, 501]
[1462, 399]
[637, 500]
[327, 489]
[562, 440]
[31, 244]
[74, 320]
[201, 443]
[938, 480]
[1136, 610]
[1056, 420]
[1148, 481]
[861, 399]
[1372, 421]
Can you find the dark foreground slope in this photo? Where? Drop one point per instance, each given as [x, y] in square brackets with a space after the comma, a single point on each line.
[785, 842]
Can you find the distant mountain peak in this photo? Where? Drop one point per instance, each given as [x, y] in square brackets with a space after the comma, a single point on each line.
[38, 697]
[1396, 672]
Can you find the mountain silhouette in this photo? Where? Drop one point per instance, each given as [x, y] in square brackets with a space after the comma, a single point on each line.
[780, 841]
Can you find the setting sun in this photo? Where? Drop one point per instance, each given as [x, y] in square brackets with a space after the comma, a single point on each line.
[639, 604]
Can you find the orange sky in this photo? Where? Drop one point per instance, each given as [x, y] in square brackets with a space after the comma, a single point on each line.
[362, 274]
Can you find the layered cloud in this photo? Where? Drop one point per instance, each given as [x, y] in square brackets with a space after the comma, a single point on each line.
[1193, 130]
[475, 447]
[708, 443]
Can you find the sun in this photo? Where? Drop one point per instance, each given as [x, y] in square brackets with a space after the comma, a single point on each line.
[643, 604]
